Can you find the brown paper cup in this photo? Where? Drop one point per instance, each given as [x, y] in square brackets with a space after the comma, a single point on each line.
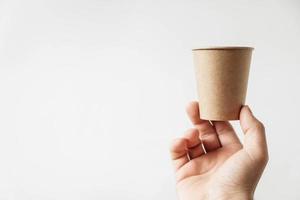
[222, 77]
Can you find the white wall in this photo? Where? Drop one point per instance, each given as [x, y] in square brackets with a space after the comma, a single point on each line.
[92, 92]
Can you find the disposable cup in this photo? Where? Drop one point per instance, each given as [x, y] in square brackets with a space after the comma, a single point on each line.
[222, 78]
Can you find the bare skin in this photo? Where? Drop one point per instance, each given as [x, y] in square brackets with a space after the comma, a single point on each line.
[210, 161]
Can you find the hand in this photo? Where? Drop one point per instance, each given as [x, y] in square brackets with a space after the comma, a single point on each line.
[211, 163]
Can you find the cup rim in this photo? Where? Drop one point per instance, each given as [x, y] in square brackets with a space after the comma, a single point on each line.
[224, 48]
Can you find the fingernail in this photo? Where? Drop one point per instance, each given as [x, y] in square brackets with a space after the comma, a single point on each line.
[249, 109]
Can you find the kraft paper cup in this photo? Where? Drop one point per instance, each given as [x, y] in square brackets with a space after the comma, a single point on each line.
[222, 77]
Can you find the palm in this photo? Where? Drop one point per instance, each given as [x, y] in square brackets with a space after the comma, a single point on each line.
[225, 164]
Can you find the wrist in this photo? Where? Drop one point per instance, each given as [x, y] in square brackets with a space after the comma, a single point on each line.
[232, 196]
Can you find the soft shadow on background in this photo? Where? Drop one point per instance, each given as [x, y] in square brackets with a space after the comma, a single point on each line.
[92, 92]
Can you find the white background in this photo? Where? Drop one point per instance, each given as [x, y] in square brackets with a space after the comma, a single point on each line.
[92, 92]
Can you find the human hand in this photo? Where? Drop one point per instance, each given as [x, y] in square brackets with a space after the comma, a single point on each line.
[211, 163]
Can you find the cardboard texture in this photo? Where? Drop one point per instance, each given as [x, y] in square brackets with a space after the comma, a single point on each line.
[222, 77]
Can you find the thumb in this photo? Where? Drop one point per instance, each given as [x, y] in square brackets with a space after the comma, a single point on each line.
[255, 139]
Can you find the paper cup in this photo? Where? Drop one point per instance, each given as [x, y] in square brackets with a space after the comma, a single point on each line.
[222, 77]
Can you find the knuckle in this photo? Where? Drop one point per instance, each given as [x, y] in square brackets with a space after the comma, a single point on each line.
[263, 158]
[173, 144]
[191, 131]
[204, 128]
[259, 126]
